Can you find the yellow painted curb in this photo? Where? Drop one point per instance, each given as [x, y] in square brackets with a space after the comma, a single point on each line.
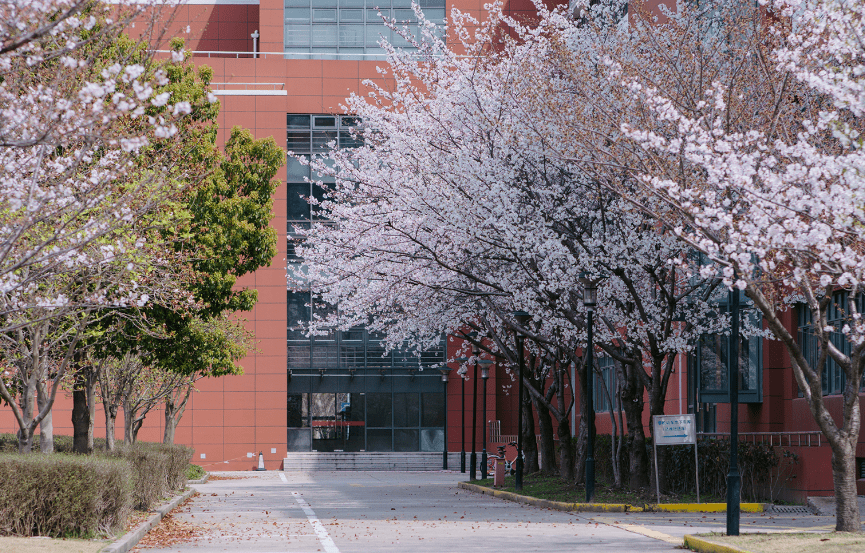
[611, 507]
[704, 546]
[547, 504]
[706, 507]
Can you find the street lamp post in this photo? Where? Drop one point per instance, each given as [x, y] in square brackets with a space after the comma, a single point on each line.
[473, 470]
[485, 374]
[590, 300]
[463, 425]
[734, 479]
[523, 319]
[445, 377]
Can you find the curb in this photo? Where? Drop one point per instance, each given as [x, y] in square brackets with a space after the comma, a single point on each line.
[611, 507]
[703, 546]
[202, 480]
[547, 504]
[707, 507]
[131, 538]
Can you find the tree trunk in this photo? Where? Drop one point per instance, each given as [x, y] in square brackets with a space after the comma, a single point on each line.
[128, 421]
[136, 426]
[530, 444]
[110, 425]
[91, 411]
[46, 427]
[25, 432]
[81, 421]
[638, 458]
[548, 444]
[583, 430]
[632, 405]
[844, 479]
[566, 451]
[173, 413]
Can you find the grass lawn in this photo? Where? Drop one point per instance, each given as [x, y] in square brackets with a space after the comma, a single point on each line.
[827, 542]
[50, 545]
[554, 488]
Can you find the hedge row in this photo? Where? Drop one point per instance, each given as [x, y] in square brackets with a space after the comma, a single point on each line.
[763, 468]
[63, 495]
[84, 495]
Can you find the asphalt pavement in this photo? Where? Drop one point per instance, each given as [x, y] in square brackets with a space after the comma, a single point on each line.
[372, 512]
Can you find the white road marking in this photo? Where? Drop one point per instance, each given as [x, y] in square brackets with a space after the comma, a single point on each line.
[317, 526]
[320, 531]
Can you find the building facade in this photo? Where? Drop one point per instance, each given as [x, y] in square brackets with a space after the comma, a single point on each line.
[282, 68]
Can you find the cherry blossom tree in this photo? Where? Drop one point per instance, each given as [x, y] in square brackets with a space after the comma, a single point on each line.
[71, 130]
[462, 206]
[771, 189]
[88, 180]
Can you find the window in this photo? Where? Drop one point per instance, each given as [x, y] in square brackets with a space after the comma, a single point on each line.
[347, 28]
[833, 377]
[608, 376]
[358, 421]
[713, 360]
[308, 134]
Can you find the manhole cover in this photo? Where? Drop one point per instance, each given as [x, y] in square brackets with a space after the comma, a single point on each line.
[791, 509]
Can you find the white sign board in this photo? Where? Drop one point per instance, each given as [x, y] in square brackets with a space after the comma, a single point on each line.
[674, 429]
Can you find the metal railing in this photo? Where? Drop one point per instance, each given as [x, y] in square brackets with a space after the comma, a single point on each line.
[282, 55]
[789, 439]
[246, 86]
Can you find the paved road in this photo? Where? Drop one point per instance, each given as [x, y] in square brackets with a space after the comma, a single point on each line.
[372, 512]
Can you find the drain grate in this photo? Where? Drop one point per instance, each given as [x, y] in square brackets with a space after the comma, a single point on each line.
[791, 509]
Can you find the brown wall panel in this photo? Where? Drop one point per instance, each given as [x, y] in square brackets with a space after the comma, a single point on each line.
[274, 382]
[238, 418]
[210, 399]
[242, 383]
[239, 400]
[205, 418]
[271, 401]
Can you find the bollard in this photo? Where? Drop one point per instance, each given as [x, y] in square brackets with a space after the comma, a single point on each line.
[260, 461]
[499, 474]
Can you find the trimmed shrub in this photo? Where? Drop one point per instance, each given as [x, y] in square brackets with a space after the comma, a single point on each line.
[764, 468]
[149, 467]
[194, 472]
[158, 470]
[62, 443]
[175, 468]
[63, 495]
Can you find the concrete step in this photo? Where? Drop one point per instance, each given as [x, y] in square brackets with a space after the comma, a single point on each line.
[374, 461]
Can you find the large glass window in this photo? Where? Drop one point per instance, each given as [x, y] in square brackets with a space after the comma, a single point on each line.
[377, 421]
[713, 360]
[350, 28]
[344, 392]
[607, 378]
[832, 378]
[308, 134]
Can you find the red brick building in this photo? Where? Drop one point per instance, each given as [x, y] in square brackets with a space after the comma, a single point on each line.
[282, 68]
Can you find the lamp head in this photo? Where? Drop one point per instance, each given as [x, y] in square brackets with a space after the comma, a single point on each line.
[485, 368]
[445, 372]
[590, 290]
[522, 317]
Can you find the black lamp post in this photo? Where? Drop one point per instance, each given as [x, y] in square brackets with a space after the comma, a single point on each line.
[445, 377]
[473, 470]
[590, 301]
[485, 374]
[462, 417]
[734, 479]
[523, 319]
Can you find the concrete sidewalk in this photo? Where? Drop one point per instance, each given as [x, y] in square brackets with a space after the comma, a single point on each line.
[343, 512]
[680, 524]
